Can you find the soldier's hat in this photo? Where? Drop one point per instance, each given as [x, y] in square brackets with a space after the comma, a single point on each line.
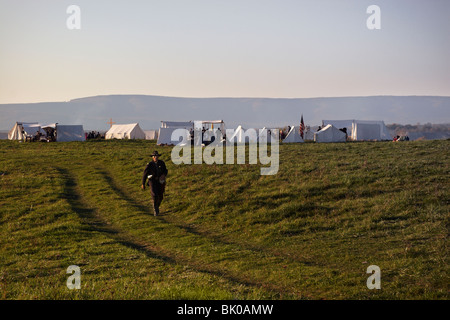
[155, 153]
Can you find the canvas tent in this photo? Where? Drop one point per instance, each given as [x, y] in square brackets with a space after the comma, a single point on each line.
[293, 136]
[165, 136]
[330, 134]
[168, 127]
[65, 133]
[22, 129]
[370, 130]
[360, 130]
[125, 131]
[151, 134]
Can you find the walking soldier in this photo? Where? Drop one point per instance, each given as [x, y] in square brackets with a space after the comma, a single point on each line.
[156, 173]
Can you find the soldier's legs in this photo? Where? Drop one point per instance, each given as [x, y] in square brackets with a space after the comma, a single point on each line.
[157, 197]
[155, 207]
[157, 202]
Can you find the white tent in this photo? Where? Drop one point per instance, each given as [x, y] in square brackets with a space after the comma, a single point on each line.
[165, 136]
[151, 134]
[22, 129]
[66, 133]
[369, 130]
[293, 136]
[125, 131]
[329, 134]
[168, 127]
[359, 130]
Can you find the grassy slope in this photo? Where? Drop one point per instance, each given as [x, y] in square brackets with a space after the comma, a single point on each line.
[226, 232]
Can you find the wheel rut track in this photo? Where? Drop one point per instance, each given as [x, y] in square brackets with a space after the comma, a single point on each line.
[93, 218]
[218, 239]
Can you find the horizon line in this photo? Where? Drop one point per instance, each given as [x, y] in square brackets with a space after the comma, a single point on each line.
[222, 97]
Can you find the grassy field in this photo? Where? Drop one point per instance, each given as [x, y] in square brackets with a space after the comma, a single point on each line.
[226, 232]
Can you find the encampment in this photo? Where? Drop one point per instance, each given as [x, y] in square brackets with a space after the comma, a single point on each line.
[125, 131]
[293, 136]
[330, 134]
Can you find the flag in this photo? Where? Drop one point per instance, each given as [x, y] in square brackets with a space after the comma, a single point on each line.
[302, 127]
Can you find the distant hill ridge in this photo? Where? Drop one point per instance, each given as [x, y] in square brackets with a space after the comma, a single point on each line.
[148, 110]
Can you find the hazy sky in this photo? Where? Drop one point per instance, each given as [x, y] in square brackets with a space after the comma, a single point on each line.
[223, 48]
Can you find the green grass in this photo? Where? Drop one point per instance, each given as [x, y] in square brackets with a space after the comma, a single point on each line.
[226, 232]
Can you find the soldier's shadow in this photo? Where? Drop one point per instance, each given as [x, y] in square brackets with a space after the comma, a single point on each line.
[164, 213]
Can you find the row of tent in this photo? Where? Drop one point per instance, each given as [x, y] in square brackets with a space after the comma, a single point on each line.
[331, 131]
[343, 130]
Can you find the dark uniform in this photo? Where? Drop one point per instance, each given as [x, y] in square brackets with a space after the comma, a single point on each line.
[156, 170]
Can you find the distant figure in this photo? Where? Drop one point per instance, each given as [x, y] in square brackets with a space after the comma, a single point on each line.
[344, 130]
[156, 173]
[282, 135]
[38, 135]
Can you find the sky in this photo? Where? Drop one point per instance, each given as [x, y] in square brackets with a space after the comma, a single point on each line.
[222, 48]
